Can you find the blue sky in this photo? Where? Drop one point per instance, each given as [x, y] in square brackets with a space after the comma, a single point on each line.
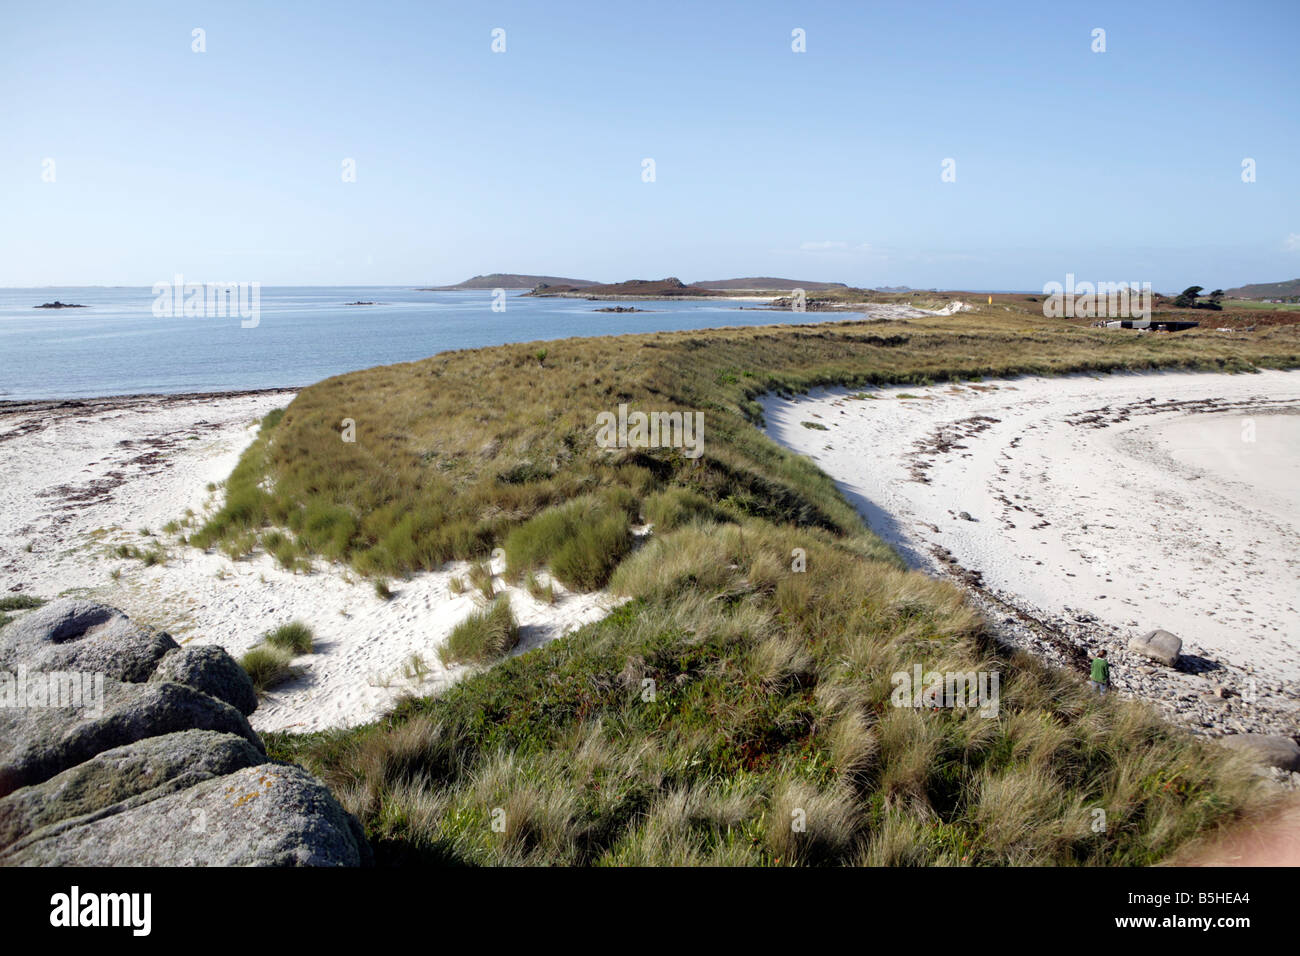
[823, 165]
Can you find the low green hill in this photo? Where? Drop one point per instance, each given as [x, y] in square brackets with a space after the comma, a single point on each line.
[737, 690]
[1266, 290]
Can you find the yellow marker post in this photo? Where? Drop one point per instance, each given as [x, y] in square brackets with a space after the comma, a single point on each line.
[990, 300]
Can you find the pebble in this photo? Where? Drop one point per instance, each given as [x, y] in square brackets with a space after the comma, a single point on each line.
[1181, 695]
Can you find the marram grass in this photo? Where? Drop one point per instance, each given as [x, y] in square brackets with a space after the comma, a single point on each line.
[482, 637]
[736, 710]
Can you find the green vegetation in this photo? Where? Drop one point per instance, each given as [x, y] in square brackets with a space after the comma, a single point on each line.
[480, 575]
[582, 541]
[270, 663]
[732, 693]
[1190, 298]
[1288, 289]
[692, 724]
[17, 602]
[674, 507]
[540, 592]
[155, 555]
[1253, 305]
[416, 668]
[457, 467]
[294, 636]
[267, 666]
[288, 553]
[482, 637]
[637, 288]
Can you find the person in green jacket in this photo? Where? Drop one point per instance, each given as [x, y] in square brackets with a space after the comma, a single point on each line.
[1100, 678]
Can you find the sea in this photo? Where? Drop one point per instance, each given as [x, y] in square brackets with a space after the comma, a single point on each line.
[119, 345]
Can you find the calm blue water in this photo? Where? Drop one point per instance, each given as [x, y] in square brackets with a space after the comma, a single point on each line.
[118, 347]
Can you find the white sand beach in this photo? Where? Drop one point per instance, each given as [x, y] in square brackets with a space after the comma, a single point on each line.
[1139, 501]
[77, 479]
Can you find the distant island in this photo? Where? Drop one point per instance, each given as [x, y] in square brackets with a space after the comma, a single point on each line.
[1266, 290]
[358, 302]
[621, 308]
[508, 280]
[766, 284]
[670, 287]
[674, 288]
[56, 304]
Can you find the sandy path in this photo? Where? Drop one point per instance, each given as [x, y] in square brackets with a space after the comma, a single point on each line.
[79, 479]
[1133, 500]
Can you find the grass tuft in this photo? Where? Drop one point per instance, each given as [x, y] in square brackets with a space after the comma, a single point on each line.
[539, 591]
[581, 541]
[268, 666]
[294, 636]
[483, 636]
[674, 507]
[20, 602]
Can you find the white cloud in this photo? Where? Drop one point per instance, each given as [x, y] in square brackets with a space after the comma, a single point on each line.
[1292, 242]
[823, 245]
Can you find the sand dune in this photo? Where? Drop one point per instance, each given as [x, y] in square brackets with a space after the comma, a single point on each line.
[78, 480]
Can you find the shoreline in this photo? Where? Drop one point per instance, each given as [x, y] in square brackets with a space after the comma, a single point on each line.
[1059, 508]
[618, 297]
[21, 406]
[9, 404]
[192, 440]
